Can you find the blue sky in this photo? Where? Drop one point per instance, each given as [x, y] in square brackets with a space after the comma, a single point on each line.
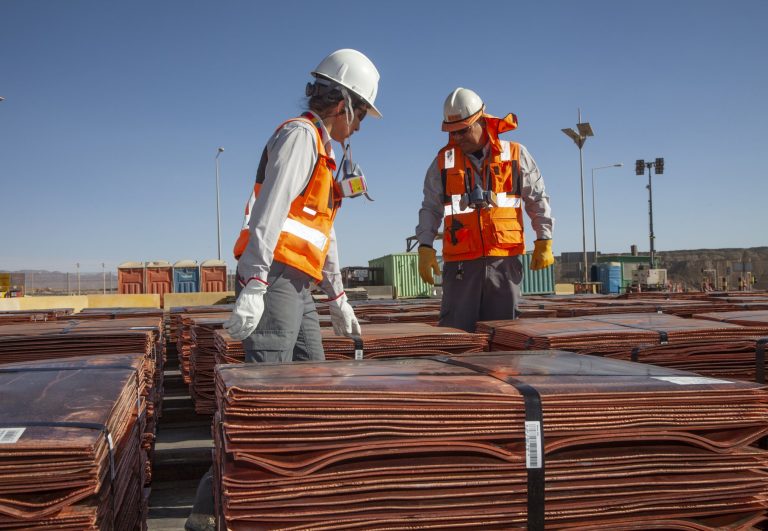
[113, 112]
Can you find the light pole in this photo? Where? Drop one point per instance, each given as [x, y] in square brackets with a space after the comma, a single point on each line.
[585, 130]
[103, 279]
[594, 208]
[218, 217]
[640, 166]
[78, 277]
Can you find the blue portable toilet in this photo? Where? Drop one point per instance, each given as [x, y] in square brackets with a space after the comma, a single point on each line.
[610, 276]
[186, 277]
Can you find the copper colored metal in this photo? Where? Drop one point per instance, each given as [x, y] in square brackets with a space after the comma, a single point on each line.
[73, 419]
[417, 443]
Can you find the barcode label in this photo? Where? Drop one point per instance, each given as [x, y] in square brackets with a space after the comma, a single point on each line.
[532, 444]
[358, 354]
[10, 435]
[691, 380]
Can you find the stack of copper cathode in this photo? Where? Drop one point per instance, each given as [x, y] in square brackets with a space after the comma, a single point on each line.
[202, 360]
[609, 333]
[183, 334]
[47, 342]
[376, 341]
[455, 442]
[22, 316]
[71, 455]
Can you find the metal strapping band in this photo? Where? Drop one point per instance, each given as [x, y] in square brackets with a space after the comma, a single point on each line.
[533, 413]
[634, 355]
[358, 340]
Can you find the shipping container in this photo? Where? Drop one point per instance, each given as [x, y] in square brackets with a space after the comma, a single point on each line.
[213, 276]
[130, 278]
[541, 282]
[158, 277]
[401, 271]
[186, 277]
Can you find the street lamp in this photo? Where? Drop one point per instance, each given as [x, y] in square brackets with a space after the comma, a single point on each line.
[78, 277]
[218, 217]
[103, 279]
[585, 130]
[594, 208]
[640, 166]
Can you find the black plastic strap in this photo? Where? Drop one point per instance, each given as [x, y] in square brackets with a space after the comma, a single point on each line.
[760, 360]
[358, 340]
[534, 438]
[491, 336]
[634, 355]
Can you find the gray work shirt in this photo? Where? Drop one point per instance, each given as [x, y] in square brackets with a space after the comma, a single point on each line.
[533, 193]
[291, 157]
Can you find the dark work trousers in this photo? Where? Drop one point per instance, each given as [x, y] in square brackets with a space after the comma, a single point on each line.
[483, 289]
[289, 329]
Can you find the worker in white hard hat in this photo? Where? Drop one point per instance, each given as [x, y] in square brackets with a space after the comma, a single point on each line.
[287, 244]
[476, 188]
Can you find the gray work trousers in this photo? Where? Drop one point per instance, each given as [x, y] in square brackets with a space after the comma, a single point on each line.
[289, 329]
[484, 289]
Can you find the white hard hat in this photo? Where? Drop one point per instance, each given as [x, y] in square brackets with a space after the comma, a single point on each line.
[462, 108]
[353, 70]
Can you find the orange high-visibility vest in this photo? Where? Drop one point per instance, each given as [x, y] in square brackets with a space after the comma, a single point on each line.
[305, 236]
[471, 233]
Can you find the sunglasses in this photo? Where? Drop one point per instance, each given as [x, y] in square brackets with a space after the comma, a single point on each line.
[461, 132]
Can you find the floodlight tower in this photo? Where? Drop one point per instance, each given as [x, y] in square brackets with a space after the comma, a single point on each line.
[585, 130]
[658, 166]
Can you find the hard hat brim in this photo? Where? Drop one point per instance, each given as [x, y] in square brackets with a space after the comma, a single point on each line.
[461, 124]
[372, 110]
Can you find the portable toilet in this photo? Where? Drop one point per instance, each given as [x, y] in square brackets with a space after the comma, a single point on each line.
[186, 277]
[610, 277]
[130, 278]
[213, 275]
[159, 277]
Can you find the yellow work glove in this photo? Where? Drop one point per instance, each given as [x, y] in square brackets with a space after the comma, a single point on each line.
[428, 264]
[542, 255]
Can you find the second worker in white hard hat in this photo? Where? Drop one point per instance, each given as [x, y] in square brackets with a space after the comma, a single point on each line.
[476, 188]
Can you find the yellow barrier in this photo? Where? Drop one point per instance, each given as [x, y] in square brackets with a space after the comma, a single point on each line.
[78, 302]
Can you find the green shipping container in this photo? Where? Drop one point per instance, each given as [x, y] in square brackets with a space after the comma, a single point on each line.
[541, 282]
[401, 271]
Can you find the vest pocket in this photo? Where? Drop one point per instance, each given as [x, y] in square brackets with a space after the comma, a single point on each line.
[506, 231]
[464, 242]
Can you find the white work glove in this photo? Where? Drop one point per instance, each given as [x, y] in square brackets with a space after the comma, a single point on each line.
[248, 309]
[343, 317]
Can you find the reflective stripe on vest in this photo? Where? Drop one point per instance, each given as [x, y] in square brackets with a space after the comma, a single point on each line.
[471, 233]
